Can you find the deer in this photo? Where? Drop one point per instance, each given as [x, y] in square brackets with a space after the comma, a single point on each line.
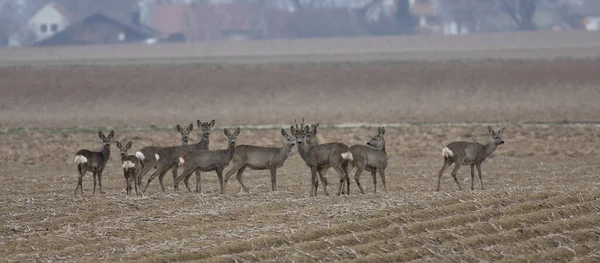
[371, 157]
[132, 165]
[321, 157]
[207, 160]
[261, 158]
[471, 153]
[92, 161]
[203, 144]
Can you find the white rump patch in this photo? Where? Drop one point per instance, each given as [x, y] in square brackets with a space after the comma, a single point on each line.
[156, 156]
[347, 156]
[140, 156]
[128, 165]
[447, 152]
[181, 161]
[79, 159]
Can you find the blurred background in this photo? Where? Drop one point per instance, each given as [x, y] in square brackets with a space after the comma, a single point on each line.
[73, 22]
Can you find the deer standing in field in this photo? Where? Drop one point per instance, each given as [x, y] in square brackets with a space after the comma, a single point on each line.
[178, 150]
[261, 158]
[371, 157]
[207, 160]
[322, 156]
[149, 152]
[94, 162]
[132, 165]
[471, 153]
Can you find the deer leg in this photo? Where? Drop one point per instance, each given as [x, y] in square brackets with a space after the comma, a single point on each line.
[147, 166]
[127, 185]
[239, 178]
[220, 176]
[323, 179]
[198, 185]
[95, 175]
[340, 171]
[472, 176]
[314, 182]
[80, 179]
[154, 175]
[100, 183]
[382, 174]
[234, 168]
[273, 178]
[374, 175]
[160, 180]
[175, 184]
[359, 169]
[185, 176]
[447, 163]
[346, 170]
[457, 165]
[479, 173]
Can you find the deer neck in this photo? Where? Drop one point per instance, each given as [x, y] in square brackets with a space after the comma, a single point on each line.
[230, 150]
[285, 151]
[489, 148]
[184, 142]
[105, 152]
[203, 143]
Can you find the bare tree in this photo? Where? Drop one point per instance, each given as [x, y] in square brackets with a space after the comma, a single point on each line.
[521, 12]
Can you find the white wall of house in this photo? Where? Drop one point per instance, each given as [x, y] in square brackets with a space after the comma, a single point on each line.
[47, 22]
[592, 23]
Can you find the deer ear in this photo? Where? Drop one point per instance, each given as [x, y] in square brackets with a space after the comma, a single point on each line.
[191, 127]
[284, 133]
[226, 132]
[501, 130]
[212, 123]
[119, 145]
[237, 131]
[101, 135]
[382, 130]
[179, 129]
[111, 135]
[490, 130]
[292, 130]
[128, 146]
[199, 123]
[306, 129]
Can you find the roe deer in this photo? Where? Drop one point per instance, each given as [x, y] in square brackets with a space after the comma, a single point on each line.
[261, 158]
[94, 162]
[150, 151]
[371, 157]
[173, 152]
[132, 165]
[207, 160]
[322, 156]
[471, 153]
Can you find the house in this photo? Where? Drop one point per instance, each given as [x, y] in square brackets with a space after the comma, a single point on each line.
[206, 21]
[49, 20]
[100, 28]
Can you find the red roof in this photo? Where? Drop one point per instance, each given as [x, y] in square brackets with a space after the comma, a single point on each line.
[63, 11]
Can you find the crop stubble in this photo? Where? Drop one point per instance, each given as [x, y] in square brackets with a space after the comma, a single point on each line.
[541, 201]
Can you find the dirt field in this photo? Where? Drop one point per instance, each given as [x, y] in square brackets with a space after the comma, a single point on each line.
[541, 202]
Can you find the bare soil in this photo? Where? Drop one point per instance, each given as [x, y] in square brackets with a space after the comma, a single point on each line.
[540, 203]
[373, 92]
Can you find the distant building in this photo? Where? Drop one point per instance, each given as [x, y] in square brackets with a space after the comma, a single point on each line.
[101, 28]
[49, 20]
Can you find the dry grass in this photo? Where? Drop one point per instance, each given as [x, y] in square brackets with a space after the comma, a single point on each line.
[162, 95]
[541, 204]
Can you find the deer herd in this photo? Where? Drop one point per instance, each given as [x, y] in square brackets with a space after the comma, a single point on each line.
[187, 159]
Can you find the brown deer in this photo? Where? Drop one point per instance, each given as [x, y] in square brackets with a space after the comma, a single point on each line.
[371, 157]
[94, 162]
[261, 158]
[321, 157]
[471, 153]
[149, 151]
[207, 160]
[177, 150]
[132, 165]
